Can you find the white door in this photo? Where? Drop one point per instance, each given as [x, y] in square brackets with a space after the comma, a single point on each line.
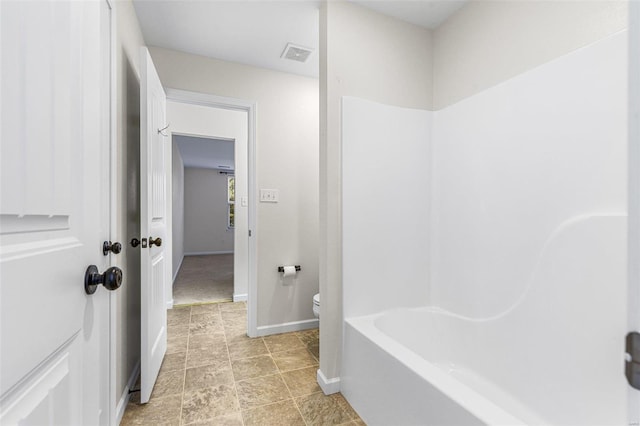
[155, 264]
[54, 212]
[633, 302]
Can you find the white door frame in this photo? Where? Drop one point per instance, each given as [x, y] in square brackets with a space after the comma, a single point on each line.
[250, 107]
[113, 208]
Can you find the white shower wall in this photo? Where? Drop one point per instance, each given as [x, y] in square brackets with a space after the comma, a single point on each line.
[453, 208]
[385, 185]
[516, 162]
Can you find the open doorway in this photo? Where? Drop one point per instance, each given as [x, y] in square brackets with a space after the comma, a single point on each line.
[204, 218]
[205, 115]
[232, 121]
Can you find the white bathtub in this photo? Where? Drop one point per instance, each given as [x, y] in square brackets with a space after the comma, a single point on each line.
[390, 384]
[551, 358]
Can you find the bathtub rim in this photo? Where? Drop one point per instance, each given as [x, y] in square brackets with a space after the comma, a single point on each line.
[484, 409]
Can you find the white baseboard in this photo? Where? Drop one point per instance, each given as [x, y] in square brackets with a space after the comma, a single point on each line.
[328, 386]
[178, 269]
[240, 297]
[201, 253]
[124, 399]
[287, 327]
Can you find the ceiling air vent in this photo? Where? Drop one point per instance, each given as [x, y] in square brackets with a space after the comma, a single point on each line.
[296, 53]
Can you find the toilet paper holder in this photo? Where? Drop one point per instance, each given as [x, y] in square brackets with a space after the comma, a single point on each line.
[281, 268]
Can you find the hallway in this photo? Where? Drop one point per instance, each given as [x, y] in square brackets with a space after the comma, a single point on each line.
[204, 278]
[214, 374]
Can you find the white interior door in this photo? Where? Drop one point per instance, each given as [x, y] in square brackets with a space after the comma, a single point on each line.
[54, 147]
[633, 301]
[155, 264]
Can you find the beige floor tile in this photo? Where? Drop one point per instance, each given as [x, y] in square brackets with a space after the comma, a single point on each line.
[174, 330]
[234, 317]
[158, 411]
[210, 375]
[232, 306]
[206, 317]
[245, 348]
[204, 308]
[233, 419]
[168, 383]
[234, 332]
[238, 327]
[177, 316]
[209, 340]
[315, 351]
[261, 391]
[207, 327]
[318, 409]
[309, 337]
[209, 403]
[177, 344]
[199, 369]
[294, 360]
[302, 382]
[359, 422]
[283, 342]
[206, 356]
[247, 368]
[344, 404]
[284, 413]
[173, 362]
[233, 314]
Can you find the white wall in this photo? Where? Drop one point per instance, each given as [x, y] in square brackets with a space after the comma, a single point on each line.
[128, 42]
[372, 56]
[177, 206]
[487, 42]
[196, 120]
[287, 160]
[386, 177]
[206, 228]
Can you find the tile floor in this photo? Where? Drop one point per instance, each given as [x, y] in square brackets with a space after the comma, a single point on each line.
[213, 374]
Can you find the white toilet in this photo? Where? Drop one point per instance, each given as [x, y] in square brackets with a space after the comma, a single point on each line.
[316, 305]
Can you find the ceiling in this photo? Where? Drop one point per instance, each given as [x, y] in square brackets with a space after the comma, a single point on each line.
[255, 32]
[425, 13]
[206, 153]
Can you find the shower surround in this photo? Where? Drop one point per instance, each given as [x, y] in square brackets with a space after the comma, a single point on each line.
[484, 251]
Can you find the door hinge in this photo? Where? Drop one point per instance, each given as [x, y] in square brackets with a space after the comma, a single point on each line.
[632, 359]
[249, 232]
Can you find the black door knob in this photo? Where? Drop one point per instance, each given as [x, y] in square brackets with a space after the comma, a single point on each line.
[107, 247]
[156, 241]
[111, 279]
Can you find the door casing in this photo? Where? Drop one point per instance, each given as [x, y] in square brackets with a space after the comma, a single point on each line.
[250, 107]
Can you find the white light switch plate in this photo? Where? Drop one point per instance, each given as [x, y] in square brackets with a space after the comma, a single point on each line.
[268, 195]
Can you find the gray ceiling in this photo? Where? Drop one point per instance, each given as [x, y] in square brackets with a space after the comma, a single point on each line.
[255, 32]
[206, 153]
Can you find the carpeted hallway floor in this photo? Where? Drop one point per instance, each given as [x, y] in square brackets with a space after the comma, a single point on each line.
[207, 278]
